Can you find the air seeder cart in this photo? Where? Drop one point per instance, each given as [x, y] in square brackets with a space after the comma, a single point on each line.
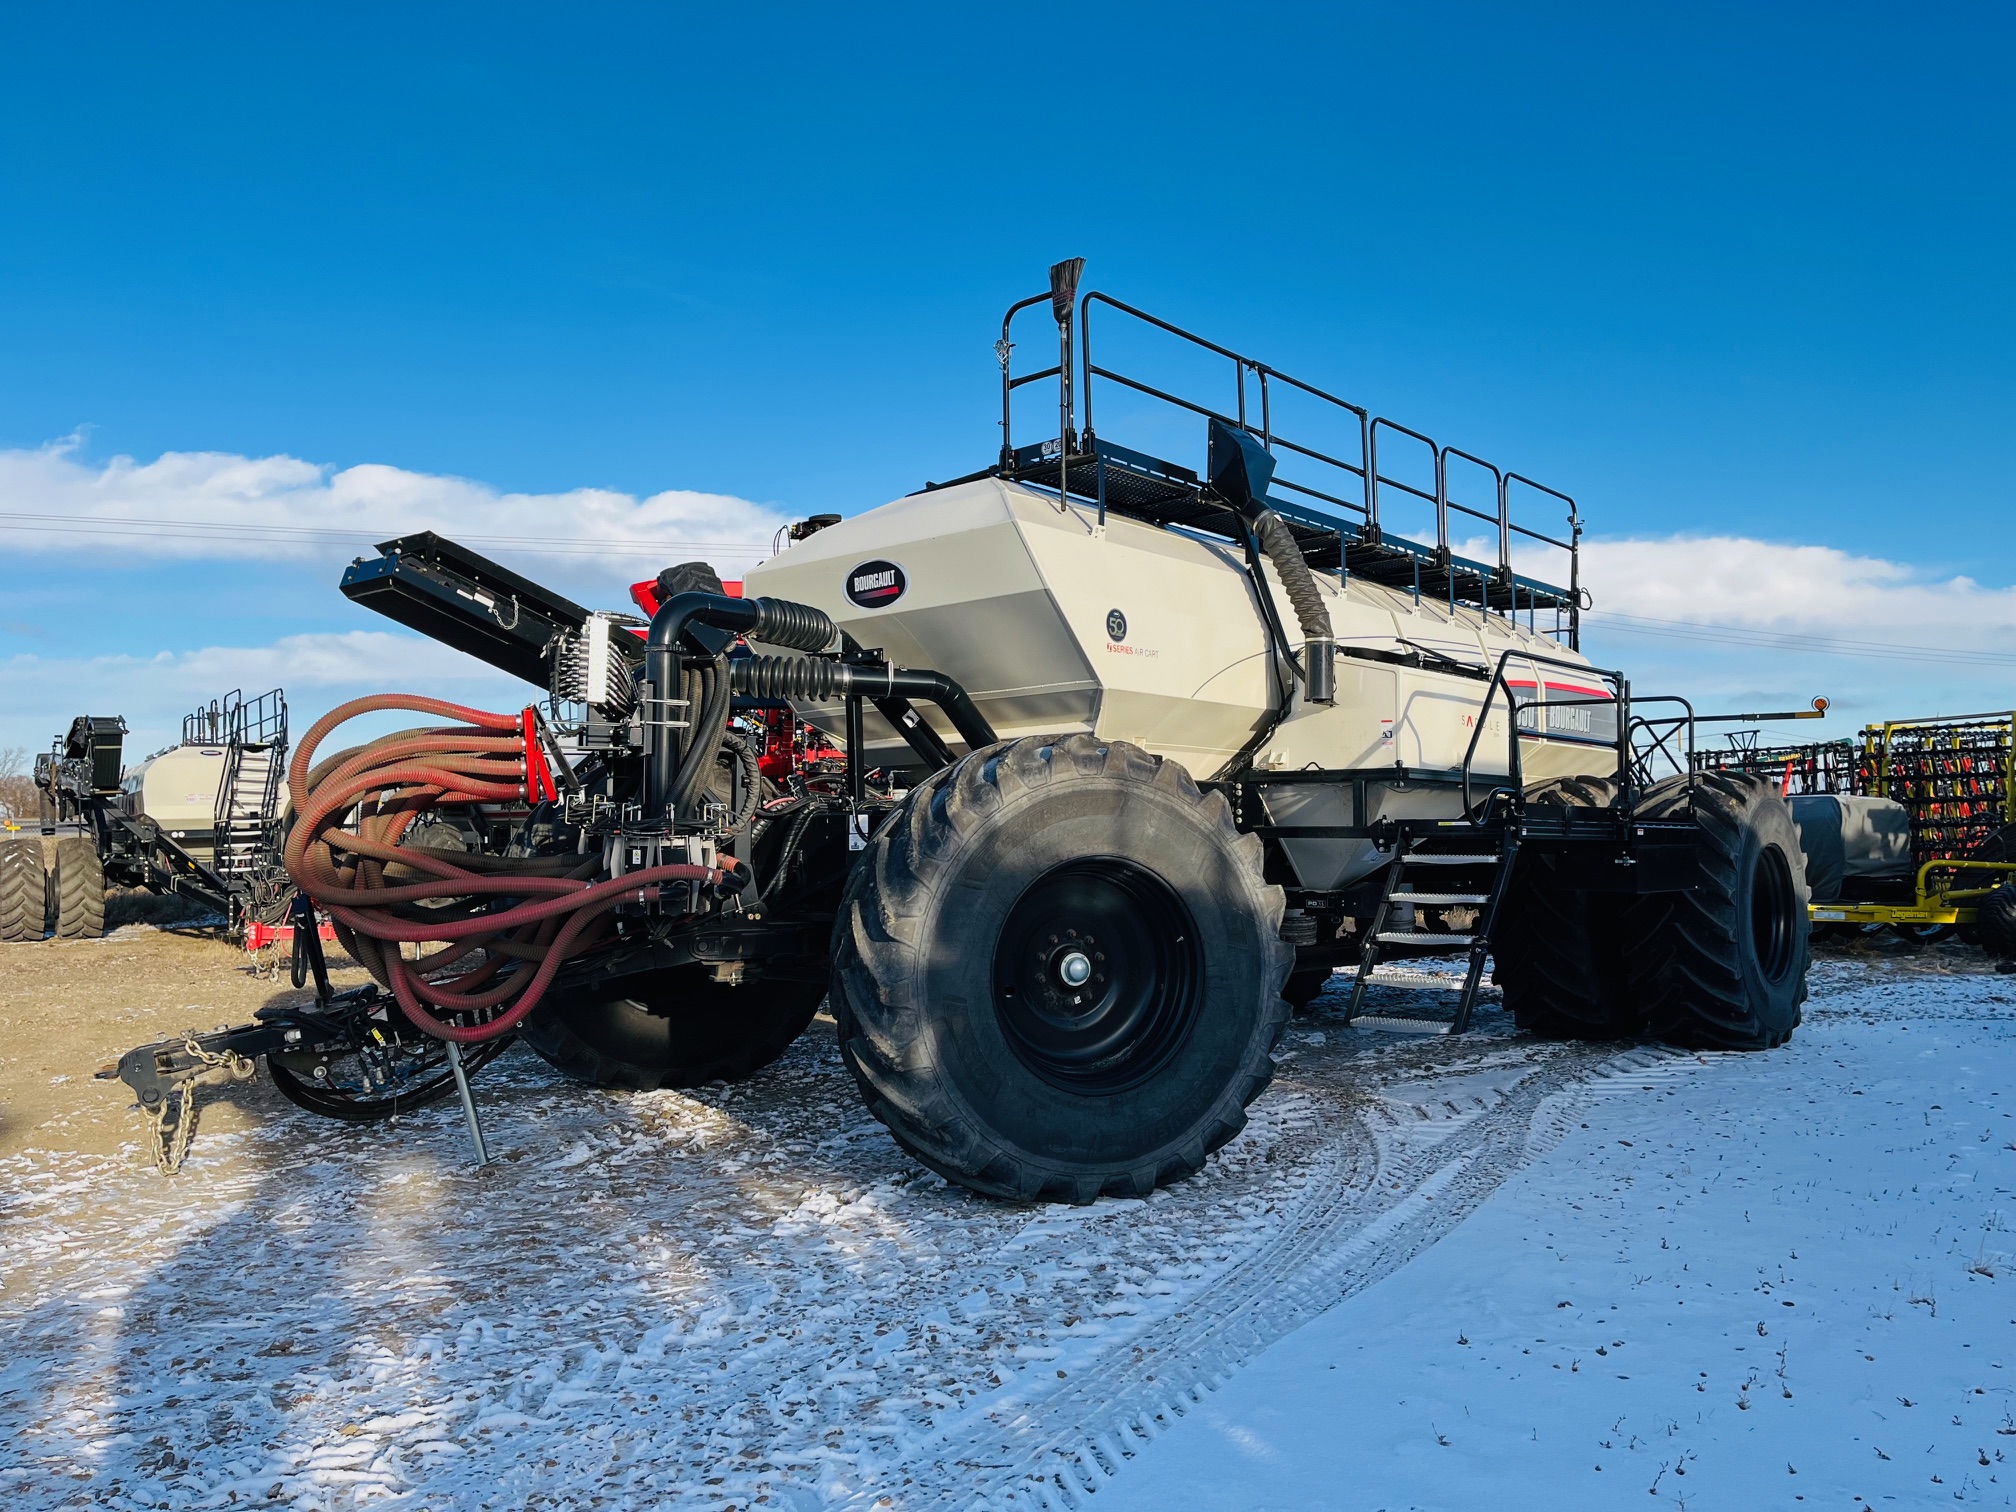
[1137, 753]
[199, 820]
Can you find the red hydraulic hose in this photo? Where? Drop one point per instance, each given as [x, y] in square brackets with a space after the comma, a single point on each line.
[536, 911]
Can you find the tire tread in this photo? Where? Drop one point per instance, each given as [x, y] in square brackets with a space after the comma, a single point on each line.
[876, 995]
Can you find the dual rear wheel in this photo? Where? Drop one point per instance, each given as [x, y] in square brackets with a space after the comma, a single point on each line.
[1722, 966]
[68, 899]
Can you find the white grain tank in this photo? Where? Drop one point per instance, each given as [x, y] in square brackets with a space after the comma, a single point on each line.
[177, 789]
[1054, 624]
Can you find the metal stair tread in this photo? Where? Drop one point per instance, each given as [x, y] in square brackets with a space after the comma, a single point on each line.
[1403, 1024]
[1474, 945]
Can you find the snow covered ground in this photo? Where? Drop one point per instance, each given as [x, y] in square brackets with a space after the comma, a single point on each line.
[748, 1296]
[1765, 1282]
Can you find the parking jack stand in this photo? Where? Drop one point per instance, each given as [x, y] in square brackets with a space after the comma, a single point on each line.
[468, 1103]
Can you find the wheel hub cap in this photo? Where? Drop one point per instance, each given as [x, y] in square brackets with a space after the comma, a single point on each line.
[1097, 976]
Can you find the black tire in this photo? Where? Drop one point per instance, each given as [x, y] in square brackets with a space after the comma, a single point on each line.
[1724, 967]
[672, 1028]
[1995, 921]
[1303, 987]
[79, 885]
[956, 956]
[1558, 954]
[23, 890]
[2000, 846]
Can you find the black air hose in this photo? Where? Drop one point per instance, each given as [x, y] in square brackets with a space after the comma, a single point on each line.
[709, 711]
[1319, 640]
[813, 680]
[798, 627]
[744, 755]
[680, 761]
[804, 678]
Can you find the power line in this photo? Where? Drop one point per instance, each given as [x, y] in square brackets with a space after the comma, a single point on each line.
[1788, 640]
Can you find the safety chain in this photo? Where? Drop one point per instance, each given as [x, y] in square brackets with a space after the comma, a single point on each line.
[171, 1147]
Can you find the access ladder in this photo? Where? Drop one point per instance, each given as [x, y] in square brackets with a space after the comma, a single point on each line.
[1435, 868]
[246, 799]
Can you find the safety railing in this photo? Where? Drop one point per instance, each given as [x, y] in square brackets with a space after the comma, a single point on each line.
[1357, 486]
[1656, 738]
[1639, 741]
[237, 720]
[1513, 790]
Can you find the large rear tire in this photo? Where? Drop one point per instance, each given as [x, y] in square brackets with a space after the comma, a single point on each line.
[1058, 972]
[1723, 967]
[1995, 921]
[1557, 954]
[672, 1028]
[79, 886]
[23, 890]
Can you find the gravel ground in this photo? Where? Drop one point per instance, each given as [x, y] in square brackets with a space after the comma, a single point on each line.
[742, 1296]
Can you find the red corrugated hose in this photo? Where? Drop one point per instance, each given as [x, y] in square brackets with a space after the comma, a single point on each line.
[527, 912]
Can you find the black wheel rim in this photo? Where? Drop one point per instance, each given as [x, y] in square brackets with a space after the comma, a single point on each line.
[421, 1077]
[1097, 976]
[1773, 920]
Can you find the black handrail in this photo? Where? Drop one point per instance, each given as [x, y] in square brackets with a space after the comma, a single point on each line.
[237, 720]
[1514, 767]
[1682, 763]
[1370, 479]
[1242, 364]
[1573, 545]
[1002, 351]
[1498, 518]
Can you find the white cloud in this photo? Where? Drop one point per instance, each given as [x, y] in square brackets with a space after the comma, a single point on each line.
[1794, 619]
[1785, 622]
[1815, 590]
[319, 671]
[210, 505]
[1737, 622]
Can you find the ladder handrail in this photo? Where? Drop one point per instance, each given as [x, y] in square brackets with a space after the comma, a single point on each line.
[1515, 768]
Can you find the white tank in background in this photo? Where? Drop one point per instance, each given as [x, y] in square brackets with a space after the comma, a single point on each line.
[177, 789]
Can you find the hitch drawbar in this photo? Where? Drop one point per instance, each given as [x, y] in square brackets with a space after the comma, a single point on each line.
[351, 1055]
[158, 1071]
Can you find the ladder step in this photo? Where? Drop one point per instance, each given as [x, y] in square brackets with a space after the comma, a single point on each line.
[1427, 897]
[1435, 858]
[1394, 1023]
[1422, 936]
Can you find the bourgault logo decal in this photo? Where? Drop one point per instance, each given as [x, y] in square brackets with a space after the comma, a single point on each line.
[874, 585]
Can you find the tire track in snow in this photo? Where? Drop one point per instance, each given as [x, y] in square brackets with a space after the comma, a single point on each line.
[744, 1293]
[1057, 1450]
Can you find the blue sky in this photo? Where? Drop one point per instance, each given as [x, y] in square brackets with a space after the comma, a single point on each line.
[1735, 273]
